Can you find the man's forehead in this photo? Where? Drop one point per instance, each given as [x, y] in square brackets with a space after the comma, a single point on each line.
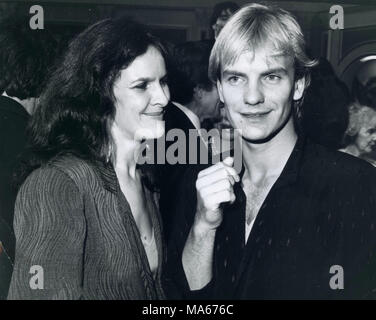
[269, 58]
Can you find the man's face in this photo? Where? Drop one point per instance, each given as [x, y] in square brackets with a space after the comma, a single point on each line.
[258, 90]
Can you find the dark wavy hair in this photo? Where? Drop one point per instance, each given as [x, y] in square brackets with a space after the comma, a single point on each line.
[25, 57]
[77, 106]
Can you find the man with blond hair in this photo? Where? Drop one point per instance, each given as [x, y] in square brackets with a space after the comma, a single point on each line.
[299, 220]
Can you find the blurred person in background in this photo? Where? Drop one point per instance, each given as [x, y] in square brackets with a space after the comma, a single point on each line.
[87, 213]
[25, 57]
[324, 113]
[221, 13]
[191, 89]
[360, 137]
[364, 85]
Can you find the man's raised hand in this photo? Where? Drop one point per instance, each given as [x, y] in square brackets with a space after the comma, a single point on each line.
[214, 186]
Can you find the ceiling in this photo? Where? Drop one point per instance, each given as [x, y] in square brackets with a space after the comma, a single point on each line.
[298, 5]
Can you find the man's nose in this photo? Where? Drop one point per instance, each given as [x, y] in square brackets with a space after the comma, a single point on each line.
[254, 94]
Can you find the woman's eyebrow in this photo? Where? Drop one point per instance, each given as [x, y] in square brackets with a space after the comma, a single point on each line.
[142, 79]
[147, 79]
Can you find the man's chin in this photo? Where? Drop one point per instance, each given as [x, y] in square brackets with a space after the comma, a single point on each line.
[257, 139]
[256, 136]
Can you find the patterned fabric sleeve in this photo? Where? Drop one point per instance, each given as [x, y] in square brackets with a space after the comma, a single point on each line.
[50, 231]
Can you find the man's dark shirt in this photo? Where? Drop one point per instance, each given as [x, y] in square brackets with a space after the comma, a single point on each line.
[13, 121]
[321, 212]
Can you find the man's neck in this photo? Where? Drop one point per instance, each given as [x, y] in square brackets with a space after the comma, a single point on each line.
[268, 159]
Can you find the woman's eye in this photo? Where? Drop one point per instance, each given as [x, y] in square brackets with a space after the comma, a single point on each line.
[141, 86]
[164, 82]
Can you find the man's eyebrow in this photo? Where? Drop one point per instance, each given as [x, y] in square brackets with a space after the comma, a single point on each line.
[229, 72]
[275, 70]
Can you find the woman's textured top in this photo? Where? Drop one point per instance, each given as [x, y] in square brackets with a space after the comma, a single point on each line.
[73, 221]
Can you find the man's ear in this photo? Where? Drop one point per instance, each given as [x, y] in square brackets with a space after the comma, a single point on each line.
[220, 93]
[299, 88]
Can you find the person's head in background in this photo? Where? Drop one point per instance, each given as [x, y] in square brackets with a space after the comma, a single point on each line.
[364, 85]
[25, 58]
[325, 108]
[221, 13]
[190, 84]
[360, 137]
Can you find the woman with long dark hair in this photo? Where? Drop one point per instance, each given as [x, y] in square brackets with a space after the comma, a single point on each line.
[86, 219]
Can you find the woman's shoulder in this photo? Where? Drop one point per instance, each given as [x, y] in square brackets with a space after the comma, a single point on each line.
[67, 170]
[69, 163]
[46, 191]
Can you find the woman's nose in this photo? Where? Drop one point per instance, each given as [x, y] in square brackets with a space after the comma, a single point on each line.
[161, 95]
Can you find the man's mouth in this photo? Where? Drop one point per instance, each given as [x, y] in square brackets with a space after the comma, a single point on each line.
[255, 115]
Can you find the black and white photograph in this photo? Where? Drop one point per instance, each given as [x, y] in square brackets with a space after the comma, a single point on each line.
[172, 151]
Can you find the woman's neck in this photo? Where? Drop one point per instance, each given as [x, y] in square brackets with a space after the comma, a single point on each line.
[125, 158]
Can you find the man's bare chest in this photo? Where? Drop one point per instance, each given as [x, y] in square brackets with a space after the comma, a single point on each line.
[256, 195]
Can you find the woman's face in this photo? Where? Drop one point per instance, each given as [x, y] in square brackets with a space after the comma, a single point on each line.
[141, 93]
[366, 138]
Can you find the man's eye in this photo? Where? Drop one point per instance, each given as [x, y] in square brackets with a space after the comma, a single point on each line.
[234, 80]
[272, 78]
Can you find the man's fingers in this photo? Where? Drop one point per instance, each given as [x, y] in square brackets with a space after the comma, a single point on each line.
[216, 176]
[211, 169]
[229, 161]
[232, 172]
[213, 201]
[221, 185]
[217, 172]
